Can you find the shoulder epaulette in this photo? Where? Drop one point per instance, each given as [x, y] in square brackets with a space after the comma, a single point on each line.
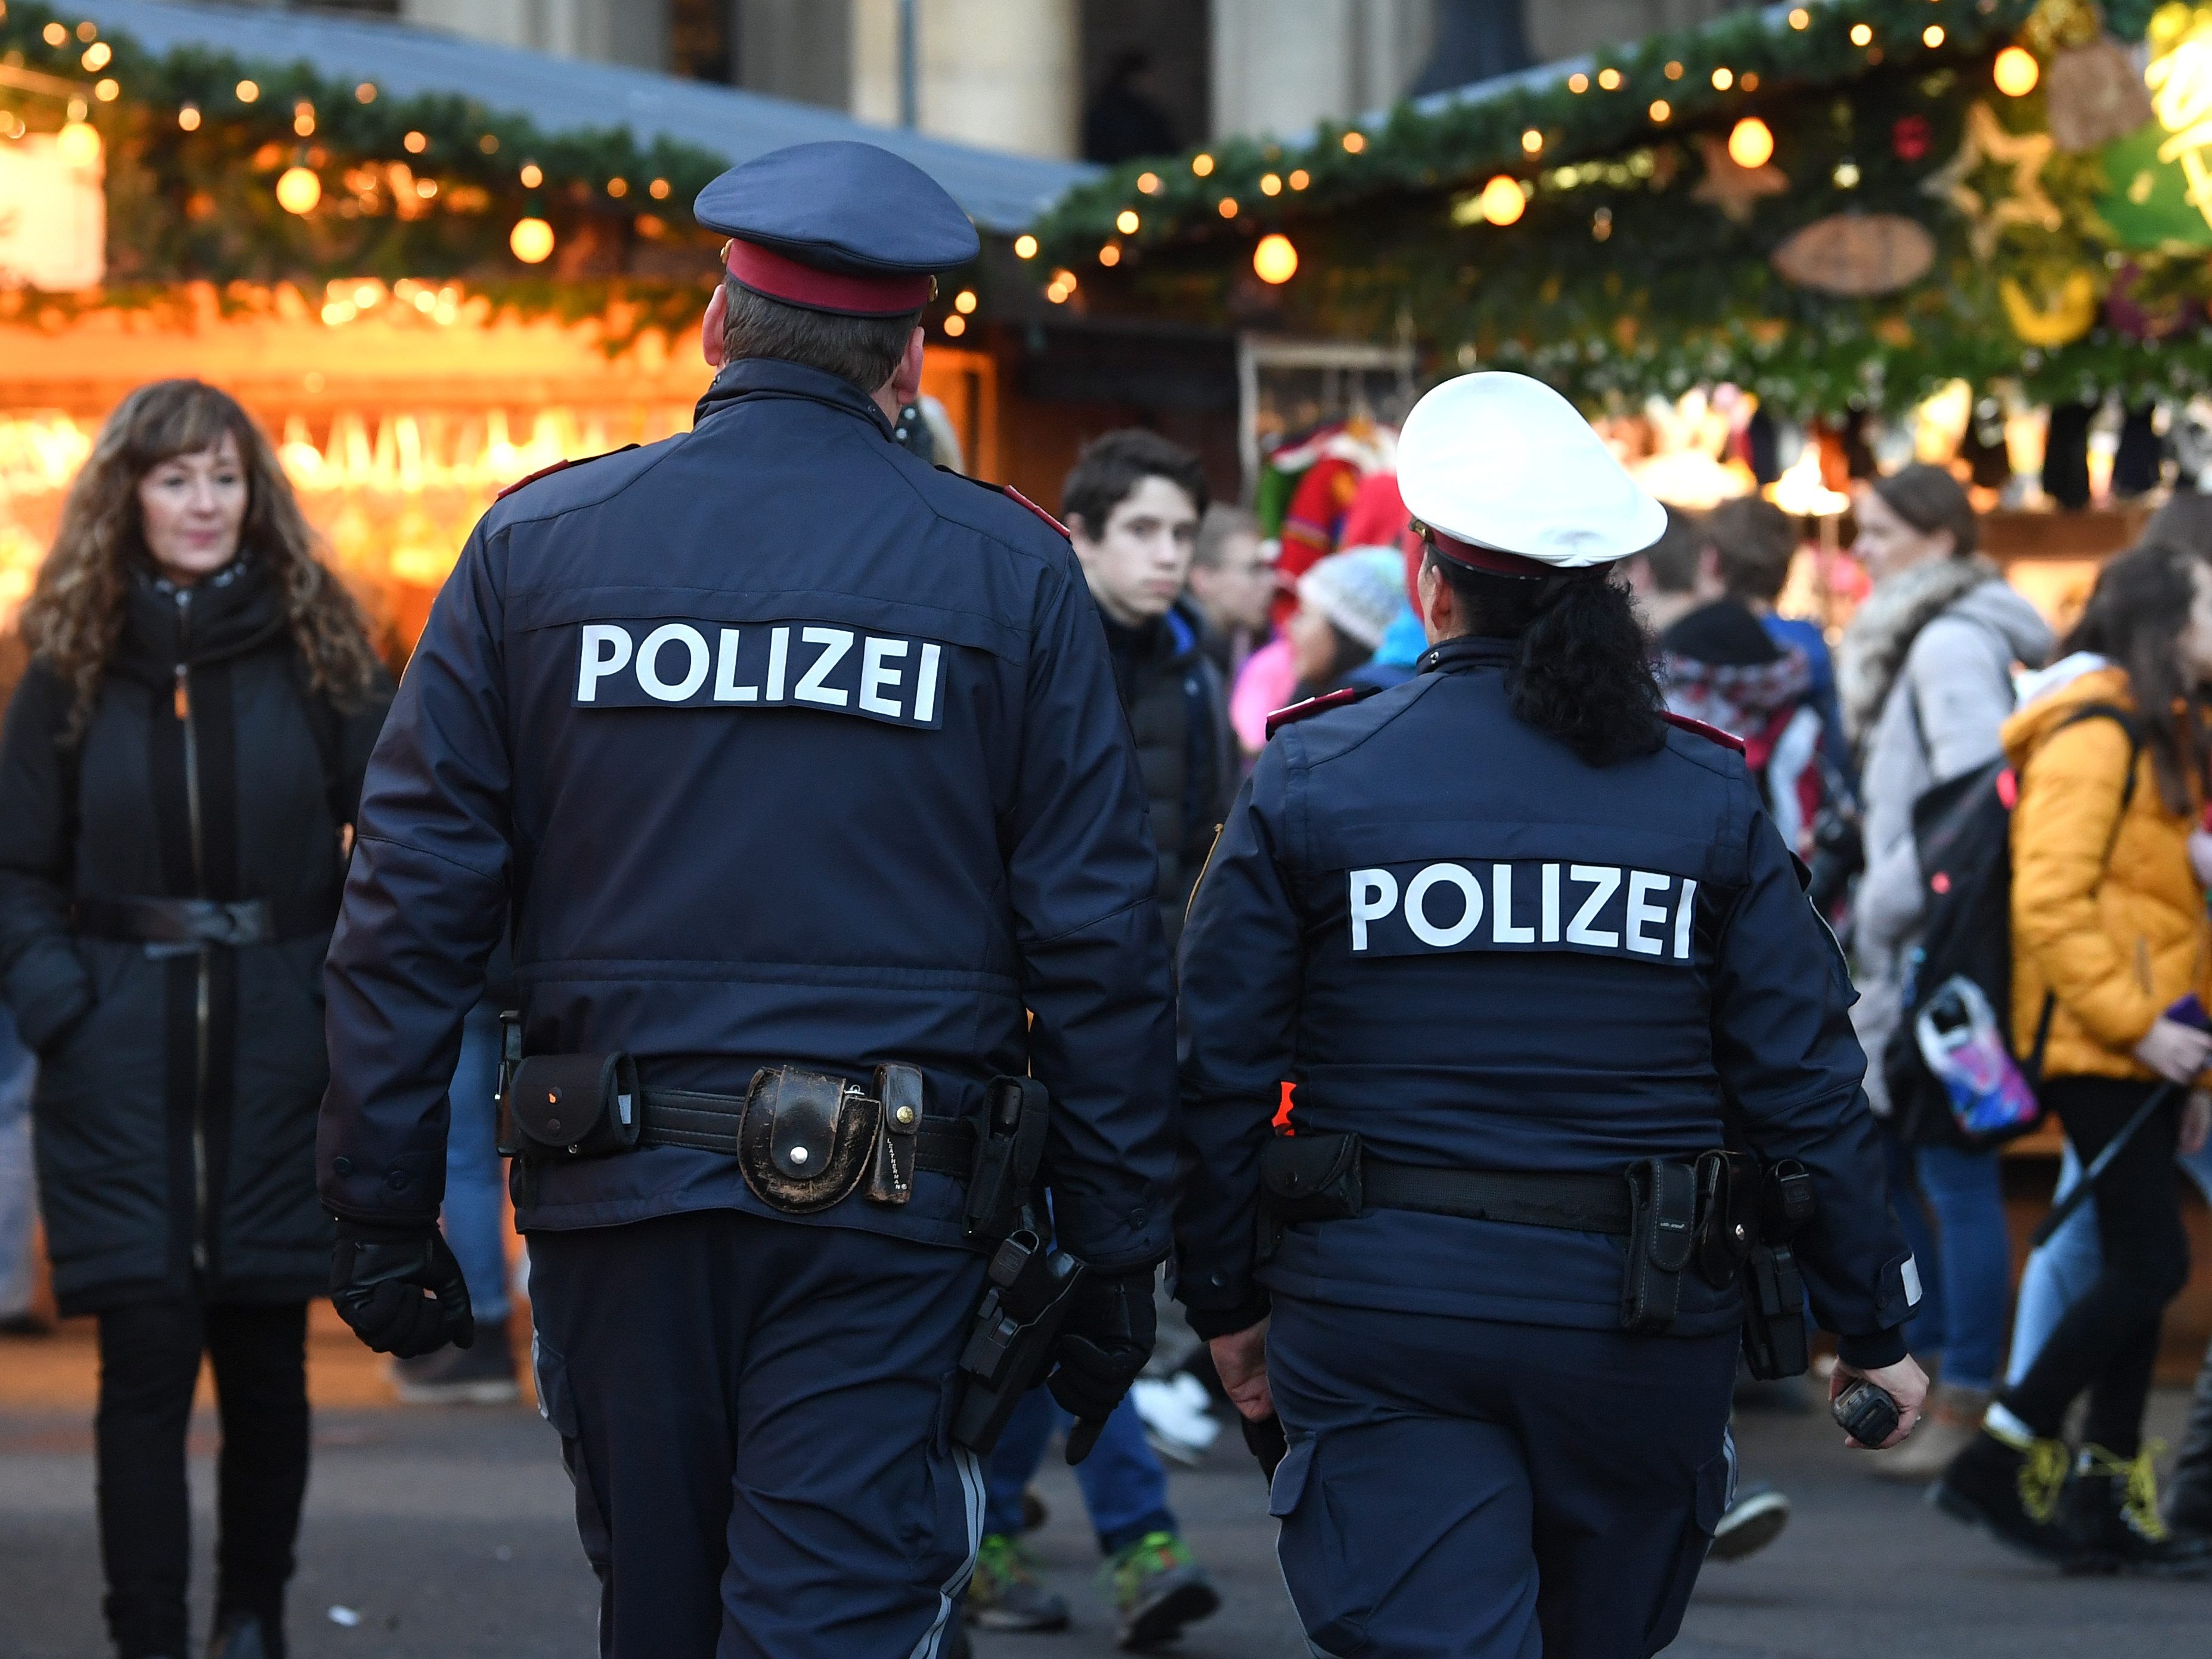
[557, 466]
[1343, 698]
[1020, 499]
[1710, 734]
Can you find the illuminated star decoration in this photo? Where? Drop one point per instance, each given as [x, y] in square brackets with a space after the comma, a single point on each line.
[1987, 144]
[1731, 188]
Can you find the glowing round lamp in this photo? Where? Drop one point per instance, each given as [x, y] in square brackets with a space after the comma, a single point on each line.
[1501, 201]
[2016, 71]
[78, 144]
[1751, 143]
[1275, 260]
[298, 189]
[532, 241]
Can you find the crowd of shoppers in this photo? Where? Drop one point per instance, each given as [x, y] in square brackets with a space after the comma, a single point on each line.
[183, 752]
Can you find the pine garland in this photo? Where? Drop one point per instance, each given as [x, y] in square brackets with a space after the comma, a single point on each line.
[193, 200]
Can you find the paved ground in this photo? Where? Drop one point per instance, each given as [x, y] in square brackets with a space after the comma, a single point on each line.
[448, 1534]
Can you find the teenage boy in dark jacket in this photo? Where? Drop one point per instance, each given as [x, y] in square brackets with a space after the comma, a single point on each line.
[1133, 506]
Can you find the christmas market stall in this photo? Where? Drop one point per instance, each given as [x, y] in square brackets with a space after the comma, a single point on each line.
[430, 266]
[1974, 231]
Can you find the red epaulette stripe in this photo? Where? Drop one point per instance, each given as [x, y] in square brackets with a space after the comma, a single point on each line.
[1298, 711]
[542, 472]
[1710, 734]
[1020, 499]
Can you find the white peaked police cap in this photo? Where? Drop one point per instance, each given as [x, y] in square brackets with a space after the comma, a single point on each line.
[1506, 476]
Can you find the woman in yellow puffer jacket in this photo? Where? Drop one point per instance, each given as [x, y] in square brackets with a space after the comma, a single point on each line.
[2109, 929]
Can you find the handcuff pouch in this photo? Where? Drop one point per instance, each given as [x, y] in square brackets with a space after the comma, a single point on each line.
[804, 1140]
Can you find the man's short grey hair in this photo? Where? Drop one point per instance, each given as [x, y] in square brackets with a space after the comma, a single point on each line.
[1221, 524]
[864, 351]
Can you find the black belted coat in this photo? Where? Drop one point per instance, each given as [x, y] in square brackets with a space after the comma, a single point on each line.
[179, 1082]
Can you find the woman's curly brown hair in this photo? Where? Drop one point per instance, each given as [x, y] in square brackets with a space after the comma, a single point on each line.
[73, 620]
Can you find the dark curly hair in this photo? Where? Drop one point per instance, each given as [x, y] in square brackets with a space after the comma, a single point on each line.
[73, 619]
[1583, 673]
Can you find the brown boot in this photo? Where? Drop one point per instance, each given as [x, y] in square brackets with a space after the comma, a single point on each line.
[1947, 1427]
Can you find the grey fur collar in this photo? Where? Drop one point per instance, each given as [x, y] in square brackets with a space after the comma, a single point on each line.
[1874, 646]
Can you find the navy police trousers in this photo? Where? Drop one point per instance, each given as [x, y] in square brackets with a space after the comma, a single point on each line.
[754, 1415]
[1465, 1489]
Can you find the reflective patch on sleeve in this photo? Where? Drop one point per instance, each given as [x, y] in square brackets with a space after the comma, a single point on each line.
[1911, 1271]
[892, 679]
[1523, 904]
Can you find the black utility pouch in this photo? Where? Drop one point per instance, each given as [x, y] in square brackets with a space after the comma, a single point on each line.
[1009, 1152]
[561, 1106]
[1307, 1177]
[1662, 1198]
[1775, 1342]
[1727, 1215]
[890, 1166]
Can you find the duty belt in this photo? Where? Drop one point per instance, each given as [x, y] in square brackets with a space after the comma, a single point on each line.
[1652, 1203]
[1576, 1203]
[708, 1123]
[205, 922]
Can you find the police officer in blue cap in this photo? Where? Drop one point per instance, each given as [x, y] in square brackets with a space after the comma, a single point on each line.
[799, 767]
[1560, 1020]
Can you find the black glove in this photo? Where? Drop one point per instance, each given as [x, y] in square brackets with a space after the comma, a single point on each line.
[1266, 1441]
[1105, 1344]
[400, 1289]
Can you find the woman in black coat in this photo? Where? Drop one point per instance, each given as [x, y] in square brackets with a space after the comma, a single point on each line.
[178, 771]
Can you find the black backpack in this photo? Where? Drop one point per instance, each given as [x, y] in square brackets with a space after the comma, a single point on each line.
[1962, 834]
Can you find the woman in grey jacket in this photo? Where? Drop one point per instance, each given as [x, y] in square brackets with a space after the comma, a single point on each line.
[1925, 678]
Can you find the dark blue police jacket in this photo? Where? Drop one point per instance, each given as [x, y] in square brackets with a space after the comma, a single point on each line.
[783, 746]
[1475, 951]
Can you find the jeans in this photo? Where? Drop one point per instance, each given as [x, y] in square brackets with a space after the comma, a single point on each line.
[476, 1174]
[1124, 1487]
[1967, 1296]
[150, 1365]
[18, 1200]
[2107, 1341]
[2060, 1272]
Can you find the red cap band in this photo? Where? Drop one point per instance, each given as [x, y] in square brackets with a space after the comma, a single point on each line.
[1483, 559]
[766, 271]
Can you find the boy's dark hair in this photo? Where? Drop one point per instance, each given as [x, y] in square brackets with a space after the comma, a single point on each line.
[863, 350]
[1111, 467]
[1673, 559]
[1756, 541]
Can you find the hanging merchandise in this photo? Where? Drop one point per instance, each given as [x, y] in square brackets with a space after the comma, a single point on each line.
[1858, 254]
[2051, 320]
[2093, 95]
[2066, 454]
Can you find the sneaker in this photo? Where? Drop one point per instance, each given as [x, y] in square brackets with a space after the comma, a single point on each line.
[1177, 1419]
[1005, 1595]
[479, 1376]
[1953, 1417]
[2110, 1509]
[1750, 1524]
[1160, 1589]
[2007, 1482]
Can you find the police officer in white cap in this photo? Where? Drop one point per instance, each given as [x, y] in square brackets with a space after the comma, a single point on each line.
[1533, 955]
